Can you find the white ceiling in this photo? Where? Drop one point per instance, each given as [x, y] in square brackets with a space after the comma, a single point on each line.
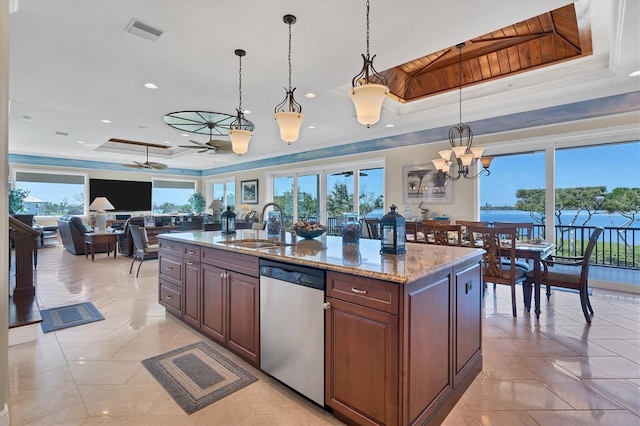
[72, 64]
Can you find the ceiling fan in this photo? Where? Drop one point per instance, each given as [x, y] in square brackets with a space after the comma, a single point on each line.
[215, 145]
[348, 174]
[147, 164]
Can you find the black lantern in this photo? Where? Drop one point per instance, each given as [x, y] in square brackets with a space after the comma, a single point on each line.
[228, 219]
[393, 230]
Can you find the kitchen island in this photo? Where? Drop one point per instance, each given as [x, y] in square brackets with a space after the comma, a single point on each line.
[402, 332]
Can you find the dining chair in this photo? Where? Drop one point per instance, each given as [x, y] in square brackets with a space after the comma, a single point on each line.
[571, 272]
[525, 229]
[373, 228]
[525, 233]
[142, 250]
[436, 233]
[495, 241]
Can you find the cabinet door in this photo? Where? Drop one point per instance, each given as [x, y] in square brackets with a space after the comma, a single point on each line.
[244, 311]
[362, 363]
[191, 292]
[468, 324]
[214, 314]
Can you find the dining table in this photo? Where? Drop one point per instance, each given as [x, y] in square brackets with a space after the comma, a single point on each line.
[536, 251]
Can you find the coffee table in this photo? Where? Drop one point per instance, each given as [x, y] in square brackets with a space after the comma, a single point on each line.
[91, 239]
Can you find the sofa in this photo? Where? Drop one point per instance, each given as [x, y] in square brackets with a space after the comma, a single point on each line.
[72, 230]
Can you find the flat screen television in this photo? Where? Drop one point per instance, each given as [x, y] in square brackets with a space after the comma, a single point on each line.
[125, 195]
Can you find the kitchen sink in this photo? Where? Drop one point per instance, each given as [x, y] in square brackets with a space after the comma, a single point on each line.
[253, 243]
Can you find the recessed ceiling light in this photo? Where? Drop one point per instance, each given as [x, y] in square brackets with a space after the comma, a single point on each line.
[150, 86]
[311, 127]
[391, 125]
[105, 121]
[309, 95]
[167, 142]
[634, 74]
[80, 142]
[246, 111]
[185, 135]
[26, 117]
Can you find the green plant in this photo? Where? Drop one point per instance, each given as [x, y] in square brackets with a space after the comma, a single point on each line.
[197, 202]
[16, 200]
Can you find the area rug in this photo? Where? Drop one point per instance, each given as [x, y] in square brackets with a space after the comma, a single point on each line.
[197, 375]
[69, 316]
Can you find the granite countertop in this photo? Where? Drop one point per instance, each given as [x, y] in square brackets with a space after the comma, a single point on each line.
[328, 252]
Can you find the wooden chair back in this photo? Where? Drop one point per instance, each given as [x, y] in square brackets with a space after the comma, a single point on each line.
[141, 250]
[525, 229]
[499, 243]
[373, 228]
[436, 233]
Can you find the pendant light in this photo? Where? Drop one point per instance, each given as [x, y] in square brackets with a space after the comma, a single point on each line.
[460, 140]
[289, 121]
[240, 132]
[367, 96]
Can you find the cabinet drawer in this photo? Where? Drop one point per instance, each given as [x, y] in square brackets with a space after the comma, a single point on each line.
[170, 267]
[191, 252]
[171, 297]
[245, 264]
[364, 291]
[170, 247]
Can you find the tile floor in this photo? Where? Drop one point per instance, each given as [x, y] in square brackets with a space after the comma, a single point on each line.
[555, 371]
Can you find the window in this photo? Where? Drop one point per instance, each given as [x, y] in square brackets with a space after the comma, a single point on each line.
[172, 196]
[52, 194]
[515, 189]
[324, 197]
[225, 191]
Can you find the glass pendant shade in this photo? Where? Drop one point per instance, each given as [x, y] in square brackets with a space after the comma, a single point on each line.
[445, 154]
[459, 150]
[368, 99]
[440, 164]
[477, 151]
[289, 124]
[240, 140]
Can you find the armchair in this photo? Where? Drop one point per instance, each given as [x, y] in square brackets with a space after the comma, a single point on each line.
[72, 231]
[571, 273]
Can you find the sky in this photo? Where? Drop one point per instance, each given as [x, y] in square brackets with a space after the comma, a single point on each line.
[615, 165]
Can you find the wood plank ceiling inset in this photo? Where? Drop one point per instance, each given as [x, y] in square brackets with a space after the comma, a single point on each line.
[547, 39]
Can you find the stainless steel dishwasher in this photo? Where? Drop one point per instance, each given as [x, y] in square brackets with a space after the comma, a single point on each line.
[292, 326]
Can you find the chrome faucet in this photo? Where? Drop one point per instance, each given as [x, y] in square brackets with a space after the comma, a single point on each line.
[278, 207]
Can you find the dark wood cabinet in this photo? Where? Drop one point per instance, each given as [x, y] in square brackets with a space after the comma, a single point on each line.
[191, 292]
[402, 354]
[230, 301]
[214, 310]
[362, 363]
[243, 296]
[215, 292]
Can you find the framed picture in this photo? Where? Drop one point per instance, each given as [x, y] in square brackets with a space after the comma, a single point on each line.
[421, 183]
[249, 191]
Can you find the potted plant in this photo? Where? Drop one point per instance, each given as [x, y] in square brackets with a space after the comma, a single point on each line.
[197, 202]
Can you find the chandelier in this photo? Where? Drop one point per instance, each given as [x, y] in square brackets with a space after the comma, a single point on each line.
[240, 130]
[462, 155]
[289, 121]
[368, 97]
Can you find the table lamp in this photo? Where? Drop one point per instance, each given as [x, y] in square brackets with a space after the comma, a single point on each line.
[244, 209]
[99, 205]
[216, 205]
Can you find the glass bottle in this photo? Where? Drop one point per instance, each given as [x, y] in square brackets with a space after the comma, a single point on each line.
[350, 229]
[273, 224]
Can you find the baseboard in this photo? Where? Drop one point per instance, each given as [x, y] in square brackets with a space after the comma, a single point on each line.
[26, 333]
[4, 416]
[608, 285]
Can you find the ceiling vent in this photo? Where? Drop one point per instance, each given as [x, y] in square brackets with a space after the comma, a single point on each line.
[58, 133]
[144, 30]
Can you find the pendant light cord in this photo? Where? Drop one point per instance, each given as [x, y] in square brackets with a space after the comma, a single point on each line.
[289, 57]
[240, 86]
[367, 28]
[460, 46]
